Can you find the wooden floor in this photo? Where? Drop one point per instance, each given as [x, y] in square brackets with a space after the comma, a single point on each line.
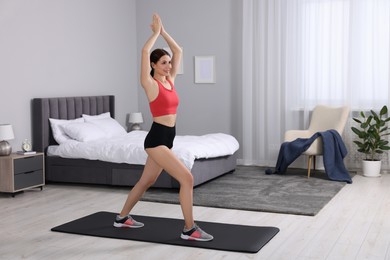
[353, 225]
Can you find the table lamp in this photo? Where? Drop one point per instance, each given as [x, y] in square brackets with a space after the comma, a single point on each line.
[6, 133]
[135, 119]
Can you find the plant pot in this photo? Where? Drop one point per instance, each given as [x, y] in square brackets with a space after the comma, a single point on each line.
[371, 168]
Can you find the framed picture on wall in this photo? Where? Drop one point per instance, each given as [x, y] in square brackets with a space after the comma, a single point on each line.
[204, 69]
[181, 68]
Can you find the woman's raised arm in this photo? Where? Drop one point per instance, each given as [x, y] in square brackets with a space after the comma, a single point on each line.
[146, 78]
[176, 52]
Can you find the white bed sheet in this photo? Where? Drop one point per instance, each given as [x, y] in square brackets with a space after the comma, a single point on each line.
[129, 148]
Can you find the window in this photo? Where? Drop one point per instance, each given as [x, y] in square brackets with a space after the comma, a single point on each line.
[343, 51]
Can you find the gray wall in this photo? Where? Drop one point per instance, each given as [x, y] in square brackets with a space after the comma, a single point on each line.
[202, 28]
[52, 48]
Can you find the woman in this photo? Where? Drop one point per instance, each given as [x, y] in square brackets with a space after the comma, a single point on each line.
[158, 72]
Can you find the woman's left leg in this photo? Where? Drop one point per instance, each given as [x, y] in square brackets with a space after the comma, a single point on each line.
[164, 157]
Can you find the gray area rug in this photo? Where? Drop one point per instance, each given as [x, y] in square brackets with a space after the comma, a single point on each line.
[249, 188]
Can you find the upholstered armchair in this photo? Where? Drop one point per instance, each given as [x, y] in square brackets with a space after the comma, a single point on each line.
[323, 118]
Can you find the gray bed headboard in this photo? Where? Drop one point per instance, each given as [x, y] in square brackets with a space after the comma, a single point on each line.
[64, 108]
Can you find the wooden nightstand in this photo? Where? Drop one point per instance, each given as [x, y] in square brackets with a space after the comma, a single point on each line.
[21, 172]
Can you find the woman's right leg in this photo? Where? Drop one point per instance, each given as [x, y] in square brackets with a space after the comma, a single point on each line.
[150, 174]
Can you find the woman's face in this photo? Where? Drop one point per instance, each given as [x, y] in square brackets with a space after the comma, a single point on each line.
[163, 66]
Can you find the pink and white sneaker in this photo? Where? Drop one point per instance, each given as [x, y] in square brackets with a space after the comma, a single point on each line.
[127, 222]
[196, 234]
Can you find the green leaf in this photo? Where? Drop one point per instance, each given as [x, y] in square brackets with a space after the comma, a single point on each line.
[357, 120]
[383, 111]
[358, 143]
[362, 151]
[355, 130]
[374, 114]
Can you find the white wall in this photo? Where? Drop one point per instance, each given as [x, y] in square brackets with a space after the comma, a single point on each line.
[53, 48]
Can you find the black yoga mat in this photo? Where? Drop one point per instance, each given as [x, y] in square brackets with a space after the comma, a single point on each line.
[239, 238]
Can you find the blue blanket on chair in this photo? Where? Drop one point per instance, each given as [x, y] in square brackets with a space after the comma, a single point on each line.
[333, 154]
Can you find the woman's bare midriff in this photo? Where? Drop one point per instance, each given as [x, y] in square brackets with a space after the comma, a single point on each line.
[167, 120]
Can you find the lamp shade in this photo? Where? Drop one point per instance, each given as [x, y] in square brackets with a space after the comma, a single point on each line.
[136, 118]
[6, 132]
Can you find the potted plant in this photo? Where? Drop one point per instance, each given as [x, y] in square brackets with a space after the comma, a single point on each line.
[372, 131]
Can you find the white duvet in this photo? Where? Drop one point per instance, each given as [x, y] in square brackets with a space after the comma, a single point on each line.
[129, 148]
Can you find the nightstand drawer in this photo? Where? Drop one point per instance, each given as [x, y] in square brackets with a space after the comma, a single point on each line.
[28, 164]
[28, 179]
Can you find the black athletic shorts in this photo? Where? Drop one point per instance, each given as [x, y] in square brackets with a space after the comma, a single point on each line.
[160, 135]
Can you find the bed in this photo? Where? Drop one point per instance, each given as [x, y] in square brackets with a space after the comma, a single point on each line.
[78, 170]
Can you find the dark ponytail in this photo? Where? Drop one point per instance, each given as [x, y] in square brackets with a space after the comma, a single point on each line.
[155, 57]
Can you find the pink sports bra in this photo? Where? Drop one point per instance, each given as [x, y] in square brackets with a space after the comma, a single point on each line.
[166, 102]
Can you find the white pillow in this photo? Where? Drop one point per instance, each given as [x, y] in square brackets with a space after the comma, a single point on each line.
[89, 118]
[110, 126]
[58, 133]
[83, 132]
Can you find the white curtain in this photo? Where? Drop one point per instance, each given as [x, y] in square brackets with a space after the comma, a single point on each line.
[300, 53]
